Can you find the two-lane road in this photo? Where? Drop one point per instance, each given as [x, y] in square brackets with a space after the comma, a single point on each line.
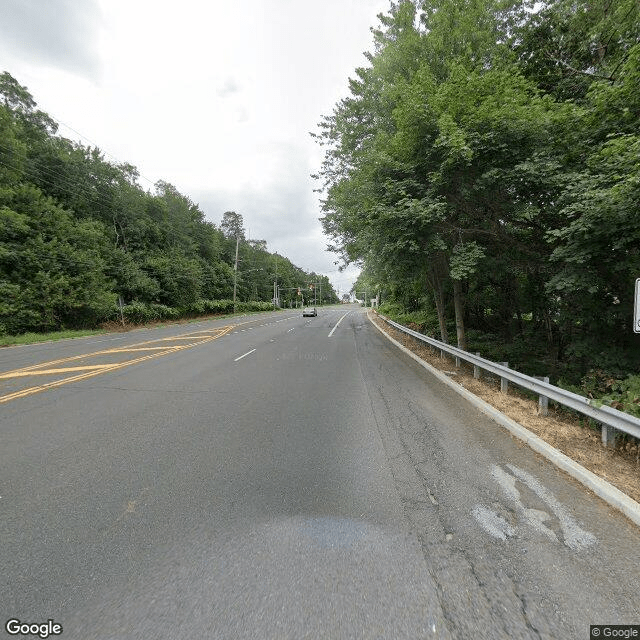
[285, 477]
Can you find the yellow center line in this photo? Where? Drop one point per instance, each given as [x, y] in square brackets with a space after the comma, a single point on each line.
[189, 337]
[221, 331]
[47, 372]
[197, 334]
[50, 363]
[120, 365]
[125, 350]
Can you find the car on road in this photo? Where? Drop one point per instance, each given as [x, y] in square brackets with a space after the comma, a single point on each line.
[309, 311]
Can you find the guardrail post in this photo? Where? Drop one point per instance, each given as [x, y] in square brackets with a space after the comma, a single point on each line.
[441, 354]
[614, 421]
[608, 436]
[457, 362]
[504, 383]
[476, 369]
[543, 401]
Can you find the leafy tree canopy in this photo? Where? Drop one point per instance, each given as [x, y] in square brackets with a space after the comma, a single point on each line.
[78, 234]
[489, 152]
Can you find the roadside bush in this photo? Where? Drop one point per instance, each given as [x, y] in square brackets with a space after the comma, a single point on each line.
[391, 309]
[221, 306]
[202, 306]
[423, 320]
[623, 395]
[253, 306]
[196, 308]
[139, 312]
[162, 312]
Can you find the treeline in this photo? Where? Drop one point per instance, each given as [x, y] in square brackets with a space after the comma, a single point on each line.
[79, 235]
[485, 171]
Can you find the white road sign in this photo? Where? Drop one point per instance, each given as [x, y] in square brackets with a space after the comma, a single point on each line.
[636, 308]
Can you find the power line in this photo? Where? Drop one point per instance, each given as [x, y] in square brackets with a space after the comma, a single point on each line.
[75, 186]
[59, 122]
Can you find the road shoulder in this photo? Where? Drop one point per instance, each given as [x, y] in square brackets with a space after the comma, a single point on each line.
[605, 490]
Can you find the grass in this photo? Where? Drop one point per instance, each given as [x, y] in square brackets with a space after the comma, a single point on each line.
[30, 338]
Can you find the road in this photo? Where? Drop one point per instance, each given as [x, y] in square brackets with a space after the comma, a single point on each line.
[257, 477]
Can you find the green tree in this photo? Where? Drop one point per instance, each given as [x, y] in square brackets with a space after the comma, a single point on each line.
[232, 225]
[78, 231]
[52, 267]
[459, 162]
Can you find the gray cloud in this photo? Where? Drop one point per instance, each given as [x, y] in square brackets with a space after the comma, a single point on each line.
[285, 214]
[230, 86]
[280, 216]
[58, 34]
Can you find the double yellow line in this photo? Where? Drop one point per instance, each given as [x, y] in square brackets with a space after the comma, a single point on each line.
[45, 368]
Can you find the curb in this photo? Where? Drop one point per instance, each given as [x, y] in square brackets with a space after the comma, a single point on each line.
[610, 494]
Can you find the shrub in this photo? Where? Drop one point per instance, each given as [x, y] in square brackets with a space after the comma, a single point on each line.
[423, 320]
[623, 395]
[162, 312]
[136, 312]
[221, 306]
[140, 312]
[253, 306]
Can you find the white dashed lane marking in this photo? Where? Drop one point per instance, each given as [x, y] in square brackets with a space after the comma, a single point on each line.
[244, 355]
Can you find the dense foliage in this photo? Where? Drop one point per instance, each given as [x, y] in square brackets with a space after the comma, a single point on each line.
[485, 171]
[78, 234]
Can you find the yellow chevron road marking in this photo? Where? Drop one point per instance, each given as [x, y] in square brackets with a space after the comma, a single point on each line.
[50, 363]
[106, 368]
[125, 350]
[224, 329]
[189, 337]
[46, 372]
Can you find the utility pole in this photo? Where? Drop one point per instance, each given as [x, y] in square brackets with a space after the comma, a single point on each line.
[275, 287]
[235, 274]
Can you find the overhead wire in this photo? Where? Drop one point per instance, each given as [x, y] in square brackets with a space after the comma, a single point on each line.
[76, 188]
[106, 153]
[71, 185]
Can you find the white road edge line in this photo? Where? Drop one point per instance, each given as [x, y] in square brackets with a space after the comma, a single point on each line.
[337, 323]
[246, 354]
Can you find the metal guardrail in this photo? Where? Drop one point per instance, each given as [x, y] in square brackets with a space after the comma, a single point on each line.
[607, 416]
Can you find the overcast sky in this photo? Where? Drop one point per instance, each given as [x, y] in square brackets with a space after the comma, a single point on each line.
[213, 96]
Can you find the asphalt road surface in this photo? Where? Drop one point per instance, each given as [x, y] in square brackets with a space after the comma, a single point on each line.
[274, 476]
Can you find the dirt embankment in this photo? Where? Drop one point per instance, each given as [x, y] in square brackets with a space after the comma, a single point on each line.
[561, 429]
